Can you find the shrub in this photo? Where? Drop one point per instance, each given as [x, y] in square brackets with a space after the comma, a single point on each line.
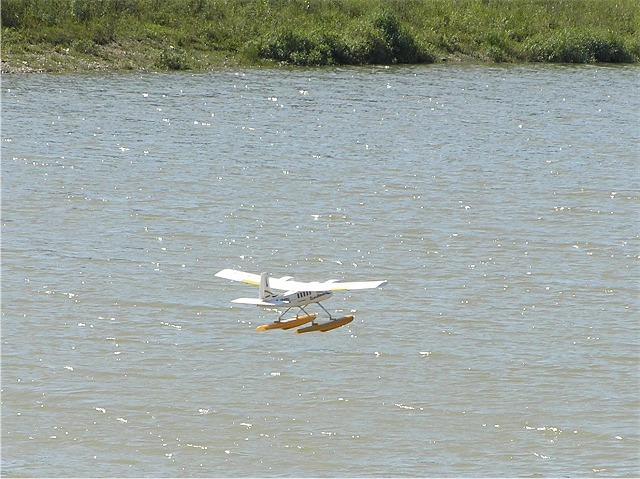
[577, 46]
[173, 59]
[379, 40]
[85, 47]
[12, 13]
[400, 45]
[296, 48]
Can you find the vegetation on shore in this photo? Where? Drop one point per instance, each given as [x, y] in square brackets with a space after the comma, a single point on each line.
[83, 35]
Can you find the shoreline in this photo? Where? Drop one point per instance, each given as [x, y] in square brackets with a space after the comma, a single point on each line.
[67, 62]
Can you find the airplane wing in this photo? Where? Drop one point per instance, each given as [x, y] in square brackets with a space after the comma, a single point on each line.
[331, 285]
[286, 283]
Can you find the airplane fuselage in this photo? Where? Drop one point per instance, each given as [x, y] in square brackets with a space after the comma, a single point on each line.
[297, 299]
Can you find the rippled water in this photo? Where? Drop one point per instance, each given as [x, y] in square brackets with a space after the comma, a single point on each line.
[501, 204]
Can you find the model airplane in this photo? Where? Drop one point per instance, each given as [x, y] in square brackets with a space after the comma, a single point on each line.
[295, 294]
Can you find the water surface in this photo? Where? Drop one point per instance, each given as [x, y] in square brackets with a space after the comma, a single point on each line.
[501, 204]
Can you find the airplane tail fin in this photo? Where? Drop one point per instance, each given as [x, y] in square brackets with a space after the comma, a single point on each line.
[264, 286]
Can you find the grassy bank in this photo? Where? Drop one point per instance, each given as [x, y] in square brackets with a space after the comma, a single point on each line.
[72, 35]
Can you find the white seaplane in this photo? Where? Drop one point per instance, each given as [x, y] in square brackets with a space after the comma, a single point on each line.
[295, 294]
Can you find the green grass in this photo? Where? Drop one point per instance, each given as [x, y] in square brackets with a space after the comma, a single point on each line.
[63, 35]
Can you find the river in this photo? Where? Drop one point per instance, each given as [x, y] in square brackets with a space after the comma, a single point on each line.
[501, 203]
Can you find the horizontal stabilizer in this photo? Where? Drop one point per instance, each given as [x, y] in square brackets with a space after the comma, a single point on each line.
[256, 301]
